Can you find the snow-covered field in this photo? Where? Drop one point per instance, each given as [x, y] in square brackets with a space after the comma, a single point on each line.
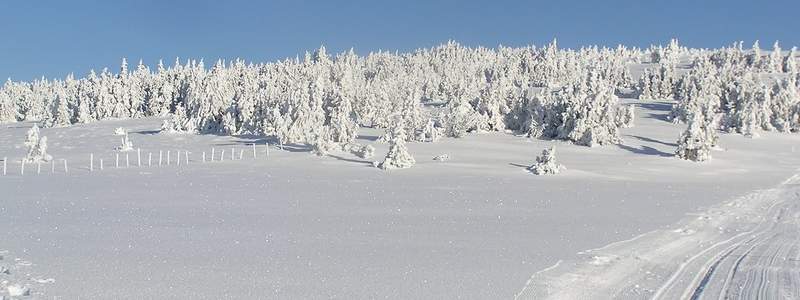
[477, 226]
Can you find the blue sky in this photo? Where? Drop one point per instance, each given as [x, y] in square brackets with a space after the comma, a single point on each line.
[54, 38]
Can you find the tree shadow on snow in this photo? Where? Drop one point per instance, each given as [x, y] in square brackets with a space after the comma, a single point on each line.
[647, 139]
[646, 150]
[657, 106]
[370, 138]
[364, 162]
[147, 132]
[519, 166]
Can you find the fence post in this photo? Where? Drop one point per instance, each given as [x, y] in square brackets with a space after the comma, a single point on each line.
[254, 150]
[241, 154]
[179, 158]
[127, 160]
[186, 155]
[91, 162]
[101, 164]
[22, 169]
[159, 157]
[117, 160]
[168, 157]
[139, 157]
[66, 170]
[222, 156]
[149, 159]
[5, 164]
[233, 154]
[38, 167]
[204, 157]
[212, 153]
[53, 166]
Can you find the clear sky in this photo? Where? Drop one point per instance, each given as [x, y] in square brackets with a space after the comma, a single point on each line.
[54, 38]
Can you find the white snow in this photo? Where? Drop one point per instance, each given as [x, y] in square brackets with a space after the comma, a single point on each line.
[289, 225]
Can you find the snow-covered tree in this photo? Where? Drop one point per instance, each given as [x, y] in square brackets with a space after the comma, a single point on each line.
[7, 109]
[624, 116]
[790, 62]
[59, 115]
[697, 141]
[321, 144]
[37, 146]
[775, 59]
[398, 156]
[362, 151]
[546, 163]
[125, 143]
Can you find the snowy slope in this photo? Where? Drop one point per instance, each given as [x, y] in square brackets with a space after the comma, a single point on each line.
[293, 225]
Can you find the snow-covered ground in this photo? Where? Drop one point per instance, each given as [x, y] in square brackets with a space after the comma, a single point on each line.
[293, 225]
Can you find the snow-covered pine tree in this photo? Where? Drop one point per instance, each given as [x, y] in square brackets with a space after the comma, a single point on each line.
[341, 119]
[589, 118]
[59, 115]
[322, 144]
[32, 139]
[625, 115]
[790, 62]
[546, 163]
[37, 146]
[7, 109]
[697, 141]
[775, 60]
[786, 106]
[398, 156]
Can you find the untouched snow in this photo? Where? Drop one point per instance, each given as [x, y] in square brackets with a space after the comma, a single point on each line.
[293, 225]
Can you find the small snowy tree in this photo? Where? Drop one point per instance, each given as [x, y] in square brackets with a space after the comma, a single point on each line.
[126, 143]
[429, 133]
[32, 139]
[362, 151]
[398, 156]
[322, 144]
[37, 146]
[696, 142]
[624, 116]
[546, 163]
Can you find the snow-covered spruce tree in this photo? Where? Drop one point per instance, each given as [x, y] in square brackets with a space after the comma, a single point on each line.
[398, 156]
[775, 59]
[341, 120]
[322, 144]
[460, 116]
[790, 62]
[430, 133]
[546, 163]
[59, 115]
[658, 84]
[542, 115]
[37, 146]
[700, 89]
[32, 139]
[125, 143]
[589, 115]
[7, 111]
[697, 141]
[87, 93]
[786, 106]
[364, 151]
[754, 58]
[492, 104]
[625, 115]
